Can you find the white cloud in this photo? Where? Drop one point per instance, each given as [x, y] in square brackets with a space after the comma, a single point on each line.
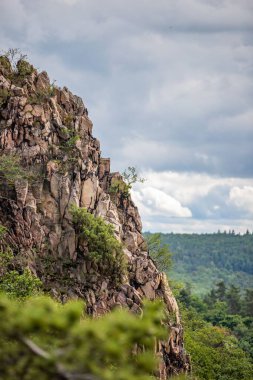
[242, 197]
[188, 186]
[197, 226]
[159, 203]
[188, 202]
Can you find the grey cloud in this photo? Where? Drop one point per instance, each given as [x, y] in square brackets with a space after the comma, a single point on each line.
[214, 201]
[216, 205]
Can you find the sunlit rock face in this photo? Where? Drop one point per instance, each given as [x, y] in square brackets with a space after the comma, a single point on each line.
[49, 130]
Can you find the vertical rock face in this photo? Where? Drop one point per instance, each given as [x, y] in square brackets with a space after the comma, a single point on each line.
[48, 129]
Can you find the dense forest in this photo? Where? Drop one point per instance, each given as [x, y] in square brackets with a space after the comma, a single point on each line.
[217, 315]
[218, 331]
[203, 260]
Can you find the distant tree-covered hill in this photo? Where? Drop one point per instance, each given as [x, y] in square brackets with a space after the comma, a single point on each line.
[203, 260]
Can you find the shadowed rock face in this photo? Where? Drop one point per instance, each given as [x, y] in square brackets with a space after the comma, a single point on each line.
[49, 130]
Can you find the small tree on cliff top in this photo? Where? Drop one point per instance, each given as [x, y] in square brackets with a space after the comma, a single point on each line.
[124, 185]
[131, 176]
[16, 66]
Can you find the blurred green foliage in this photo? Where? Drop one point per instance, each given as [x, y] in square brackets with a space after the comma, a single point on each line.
[42, 339]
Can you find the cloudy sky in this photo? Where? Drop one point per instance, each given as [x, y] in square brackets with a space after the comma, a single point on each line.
[169, 88]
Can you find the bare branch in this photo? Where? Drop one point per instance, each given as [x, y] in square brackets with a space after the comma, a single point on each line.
[36, 349]
[61, 372]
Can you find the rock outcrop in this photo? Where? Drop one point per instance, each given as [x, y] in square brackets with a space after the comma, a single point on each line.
[49, 130]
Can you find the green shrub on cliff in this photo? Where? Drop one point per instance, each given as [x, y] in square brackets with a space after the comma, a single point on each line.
[15, 66]
[103, 247]
[119, 186]
[70, 144]
[43, 95]
[4, 96]
[42, 339]
[3, 231]
[124, 185]
[11, 170]
[24, 68]
[20, 285]
[5, 63]
[15, 283]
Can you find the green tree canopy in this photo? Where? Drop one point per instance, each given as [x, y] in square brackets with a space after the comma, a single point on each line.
[159, 251]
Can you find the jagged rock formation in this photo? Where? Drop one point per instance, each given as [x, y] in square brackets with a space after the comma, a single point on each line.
[49, 129]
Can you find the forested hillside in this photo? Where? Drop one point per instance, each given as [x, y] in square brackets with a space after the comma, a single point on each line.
[218, 326]
[203, 260]
[218, 332]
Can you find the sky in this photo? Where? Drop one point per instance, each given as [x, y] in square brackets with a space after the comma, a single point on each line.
[169, 88]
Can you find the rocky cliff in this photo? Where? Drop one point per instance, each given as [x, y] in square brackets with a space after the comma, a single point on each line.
[53, 162]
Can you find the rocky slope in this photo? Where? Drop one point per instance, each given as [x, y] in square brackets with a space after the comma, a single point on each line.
[49, 130]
